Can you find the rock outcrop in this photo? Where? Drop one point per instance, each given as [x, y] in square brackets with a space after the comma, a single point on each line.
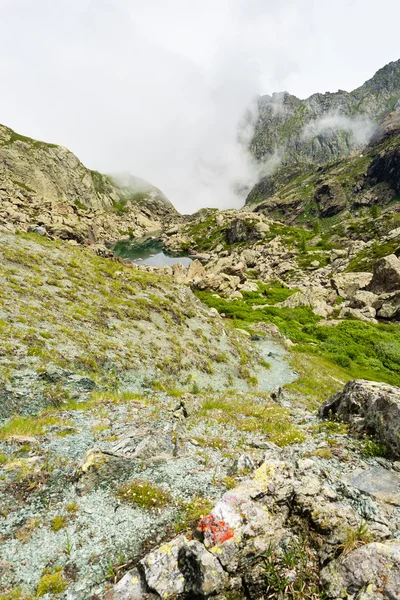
[46, 187]
[386, 275]
[369, 407]
[240, 548]
[324, 127]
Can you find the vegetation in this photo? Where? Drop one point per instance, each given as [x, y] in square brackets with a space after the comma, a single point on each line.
[29, 426]
[259, 416]
[58, 523]
[292, 573]
[144, 494]
[51, 583]
[190, 514]
[362, 350]
[356, 537]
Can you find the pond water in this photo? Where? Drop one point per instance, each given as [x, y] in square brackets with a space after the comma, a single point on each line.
[148, 252]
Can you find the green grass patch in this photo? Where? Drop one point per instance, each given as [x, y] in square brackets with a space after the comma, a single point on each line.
[361, 350]
[256, 416]
[29, 426]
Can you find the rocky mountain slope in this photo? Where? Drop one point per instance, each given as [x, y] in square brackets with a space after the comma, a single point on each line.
[367, 178]
[324, 127]
[224, 431]
[46, 185]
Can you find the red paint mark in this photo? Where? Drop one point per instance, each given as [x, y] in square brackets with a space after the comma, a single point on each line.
[214, 530]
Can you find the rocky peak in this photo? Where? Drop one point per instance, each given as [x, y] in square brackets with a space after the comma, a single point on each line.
[327, 126]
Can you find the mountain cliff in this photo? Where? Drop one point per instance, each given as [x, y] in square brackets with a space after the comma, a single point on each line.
[47, 185]
[324, 127]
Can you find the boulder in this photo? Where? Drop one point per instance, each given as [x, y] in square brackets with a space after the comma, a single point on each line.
[388, 306]
[348, 284]
[371, 572]
[369, 407]
[195, 271]
[131, 587]
[386, 275]
[311, 298]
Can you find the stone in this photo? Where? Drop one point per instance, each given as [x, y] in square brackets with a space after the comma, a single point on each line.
[388, 306]
[311, 298]
[131, 587]
[162, 569]
[243, 465]
[99, 467]
[362, 299]
[202, 571]
[382, 484]
[371, 407]
[366, 314]
[195, 271]
[348, 284]
[386, 275]
[372, 571]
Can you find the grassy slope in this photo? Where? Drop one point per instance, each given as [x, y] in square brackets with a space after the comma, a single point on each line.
[63, 304]
[361, 350]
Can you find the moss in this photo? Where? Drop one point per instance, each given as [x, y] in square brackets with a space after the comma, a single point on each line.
[51, 583]
[58, 523]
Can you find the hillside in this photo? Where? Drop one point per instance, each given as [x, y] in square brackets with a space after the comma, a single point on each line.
[45, 184]
[353, 185]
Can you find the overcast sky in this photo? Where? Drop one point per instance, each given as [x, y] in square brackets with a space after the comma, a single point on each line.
[156, 87]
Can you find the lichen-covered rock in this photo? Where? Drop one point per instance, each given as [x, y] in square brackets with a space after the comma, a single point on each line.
[162, 568]
[347, 285]
[201, 570]
[372, 571]
[131, 587]
[371, 407]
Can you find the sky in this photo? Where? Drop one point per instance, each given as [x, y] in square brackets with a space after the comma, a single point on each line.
[157, 88]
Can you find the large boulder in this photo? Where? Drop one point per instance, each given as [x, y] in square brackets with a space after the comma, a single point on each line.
[370, 407]
[371, 572]
[348, 284]
[388, 306]
[313, 298]
[386, 275]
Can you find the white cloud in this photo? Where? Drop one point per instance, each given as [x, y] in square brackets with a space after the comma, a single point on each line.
[360, 127]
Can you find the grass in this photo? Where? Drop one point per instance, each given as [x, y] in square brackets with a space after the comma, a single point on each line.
[191, 513]
[355, 538]
[361, 350]
[144, 494]
[29, 426]
[371, 449]
[58, 523]
[101, 312]
[292, 573]
[270, 420]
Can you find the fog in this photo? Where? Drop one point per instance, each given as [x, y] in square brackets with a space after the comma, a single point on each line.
[159, 88]
[361, 128]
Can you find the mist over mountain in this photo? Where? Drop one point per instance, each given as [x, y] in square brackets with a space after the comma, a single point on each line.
[324, 127]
